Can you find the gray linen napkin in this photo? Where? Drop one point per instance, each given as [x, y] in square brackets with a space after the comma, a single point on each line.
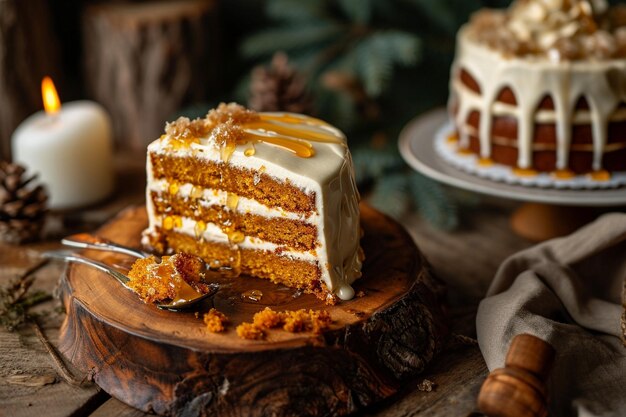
[566, 291]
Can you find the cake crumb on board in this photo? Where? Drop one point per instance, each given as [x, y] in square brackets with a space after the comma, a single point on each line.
[215, 321]
[296, 321]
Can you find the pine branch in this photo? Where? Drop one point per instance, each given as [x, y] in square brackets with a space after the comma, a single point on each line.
[289, 38]
[405, 48]
[374, 64]
[377, 54]
[291, 11]
[339, 105]
[358, 11]
[433, 202]
[438, 12]
[15, 299]
[372, 163]
[389, 195]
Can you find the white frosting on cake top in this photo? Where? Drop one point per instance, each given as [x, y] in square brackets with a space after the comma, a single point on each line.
[327, 171]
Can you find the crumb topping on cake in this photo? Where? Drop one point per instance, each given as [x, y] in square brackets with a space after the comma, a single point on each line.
[559, 30]
[231, 112]
[231, 125]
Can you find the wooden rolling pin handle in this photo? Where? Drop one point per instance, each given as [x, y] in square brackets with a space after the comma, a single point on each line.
[519, 389]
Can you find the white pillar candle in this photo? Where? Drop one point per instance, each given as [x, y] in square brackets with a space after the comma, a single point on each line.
[71, 150]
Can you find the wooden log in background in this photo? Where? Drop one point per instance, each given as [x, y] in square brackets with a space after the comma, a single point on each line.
[143, 61]
[28, 52]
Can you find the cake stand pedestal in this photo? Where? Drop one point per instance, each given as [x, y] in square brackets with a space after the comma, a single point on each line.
[168, 363]
[547, 212]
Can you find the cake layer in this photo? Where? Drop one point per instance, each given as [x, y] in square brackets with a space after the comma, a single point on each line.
[273, 265]
[505, 104]
[505, 127]
[293, 233]
[210, 233]
[212, 197]
[238, 180]
[580, 162]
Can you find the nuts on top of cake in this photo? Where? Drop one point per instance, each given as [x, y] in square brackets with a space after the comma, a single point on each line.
[557, 29]
[180, 276]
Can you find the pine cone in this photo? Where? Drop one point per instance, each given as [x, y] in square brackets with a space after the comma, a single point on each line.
[22, 205]
[279, 87]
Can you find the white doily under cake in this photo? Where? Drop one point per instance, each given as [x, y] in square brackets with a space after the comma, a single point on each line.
[503, 173]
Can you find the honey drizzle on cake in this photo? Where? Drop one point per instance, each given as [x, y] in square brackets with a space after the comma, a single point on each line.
[230, 125]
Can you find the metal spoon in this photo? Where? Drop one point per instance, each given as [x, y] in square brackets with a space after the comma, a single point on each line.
[87, 241]
[179, 304]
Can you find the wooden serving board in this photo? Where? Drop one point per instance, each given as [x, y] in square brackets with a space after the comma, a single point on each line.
[167, 362]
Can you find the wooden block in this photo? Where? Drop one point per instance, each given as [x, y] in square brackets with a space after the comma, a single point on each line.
[169, 363]
[144, 61]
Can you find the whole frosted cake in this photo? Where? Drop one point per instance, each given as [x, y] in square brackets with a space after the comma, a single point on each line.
[270, 195]
[541, 87]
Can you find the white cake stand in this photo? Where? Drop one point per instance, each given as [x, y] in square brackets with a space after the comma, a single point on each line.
[549, 212]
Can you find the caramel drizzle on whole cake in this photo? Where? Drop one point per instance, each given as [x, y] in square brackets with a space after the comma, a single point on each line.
[231, 125]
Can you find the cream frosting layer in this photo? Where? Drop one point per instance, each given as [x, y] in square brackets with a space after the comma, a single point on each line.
[211, 197]
[329, 174]
[214, 233]
[579, 117]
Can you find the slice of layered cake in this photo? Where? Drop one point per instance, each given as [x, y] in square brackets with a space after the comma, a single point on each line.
[270, 195]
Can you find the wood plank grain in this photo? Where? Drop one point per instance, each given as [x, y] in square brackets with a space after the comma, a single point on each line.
[457, 375]
[29, 383]
[114, 407]
[21, 353]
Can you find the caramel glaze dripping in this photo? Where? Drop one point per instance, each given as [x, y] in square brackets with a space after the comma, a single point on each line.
[453, 138]
[485, 162]
[288, 118]
[525, 172]
[184, 292]
[600, 175]
[563, 174]
[293, 139]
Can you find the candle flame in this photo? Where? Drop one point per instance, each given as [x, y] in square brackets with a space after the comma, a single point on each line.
[51, 102]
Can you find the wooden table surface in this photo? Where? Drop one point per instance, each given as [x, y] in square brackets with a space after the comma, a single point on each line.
[466, 259]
